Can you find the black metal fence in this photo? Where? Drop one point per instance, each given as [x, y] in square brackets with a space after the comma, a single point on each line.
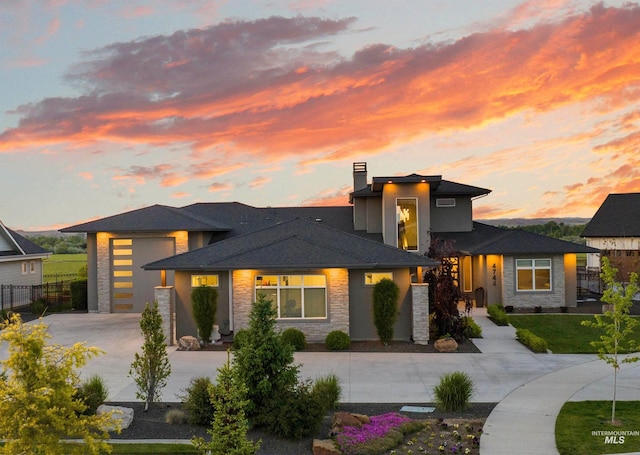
[589, 281]
[36, 298]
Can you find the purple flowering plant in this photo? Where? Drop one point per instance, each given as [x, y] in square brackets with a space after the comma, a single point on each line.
[378, 427]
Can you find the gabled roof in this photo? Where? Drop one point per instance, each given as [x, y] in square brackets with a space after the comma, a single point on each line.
[618, 216]
[486, 239]
[293, 244]
[148, 219]
[18, 245]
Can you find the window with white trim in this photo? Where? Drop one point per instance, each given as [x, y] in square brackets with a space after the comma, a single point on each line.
[295, 296]
[205, 280]
[372, 278]
[24, 268]
[32, 267]
[533, 274]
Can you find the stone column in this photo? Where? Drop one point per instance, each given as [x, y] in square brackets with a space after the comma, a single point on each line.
[164, 295]
[420, 307]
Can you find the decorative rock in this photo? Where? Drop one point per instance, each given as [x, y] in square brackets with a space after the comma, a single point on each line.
[446, 345]
[325, 447]
[188, 343]
[346, 419]
[121, 414]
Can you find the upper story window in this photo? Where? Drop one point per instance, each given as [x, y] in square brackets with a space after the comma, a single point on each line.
[407, 220]
[372, 278]
[296, 296]
[24, 268]
[445, 202]
[205, 280]
[533, 274]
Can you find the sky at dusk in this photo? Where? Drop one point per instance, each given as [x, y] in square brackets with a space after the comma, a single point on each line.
[108, 106]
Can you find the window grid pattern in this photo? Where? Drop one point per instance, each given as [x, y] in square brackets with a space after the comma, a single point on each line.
[295, 296]
[533, 274]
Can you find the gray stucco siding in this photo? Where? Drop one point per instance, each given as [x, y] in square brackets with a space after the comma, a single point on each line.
[185, 324]
[361, 306]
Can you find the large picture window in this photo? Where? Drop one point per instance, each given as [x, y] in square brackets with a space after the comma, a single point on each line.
[407, 219]
[533, 274]
[296, 296]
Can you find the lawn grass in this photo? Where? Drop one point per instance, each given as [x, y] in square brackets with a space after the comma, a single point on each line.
[563, 332]
[63, 265]
[577, 420]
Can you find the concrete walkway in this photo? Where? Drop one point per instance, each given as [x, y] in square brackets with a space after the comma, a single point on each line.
[530, 388]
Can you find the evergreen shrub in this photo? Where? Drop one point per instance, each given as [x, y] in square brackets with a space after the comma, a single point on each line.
[198, 401]
[337, 341]
[295, 338]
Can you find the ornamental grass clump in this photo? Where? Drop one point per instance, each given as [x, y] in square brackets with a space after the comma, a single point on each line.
[454, 391]
[381, 434]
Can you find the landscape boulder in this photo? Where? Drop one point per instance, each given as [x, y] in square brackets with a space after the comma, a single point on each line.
[446, 345]
[347, 419]
[188, 343]
[120, 413]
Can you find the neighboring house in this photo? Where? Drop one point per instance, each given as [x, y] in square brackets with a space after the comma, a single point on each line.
[319, 264]
[615, 231]
[20, 259]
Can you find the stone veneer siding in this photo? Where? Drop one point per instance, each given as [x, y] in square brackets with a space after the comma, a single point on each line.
[315, 331]
[420, 313]
[103, 269]
[164, 297]
[530, 299]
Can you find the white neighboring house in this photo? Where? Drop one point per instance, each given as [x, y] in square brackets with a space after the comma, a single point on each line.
[20, 259]
[615, 231]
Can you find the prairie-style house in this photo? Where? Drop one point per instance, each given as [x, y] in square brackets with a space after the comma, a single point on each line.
[319, 264]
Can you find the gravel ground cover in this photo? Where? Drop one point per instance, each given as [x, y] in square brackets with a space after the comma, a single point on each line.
[152, 425]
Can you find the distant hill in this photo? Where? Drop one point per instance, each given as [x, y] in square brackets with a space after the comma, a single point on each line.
[515, 222]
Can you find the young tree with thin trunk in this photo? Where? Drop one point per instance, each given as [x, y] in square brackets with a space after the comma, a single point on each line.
[39, 404]
[616, 324]
[151, 369]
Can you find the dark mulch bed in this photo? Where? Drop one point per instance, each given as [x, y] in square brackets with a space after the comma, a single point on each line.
[151, 424]
[364, 346]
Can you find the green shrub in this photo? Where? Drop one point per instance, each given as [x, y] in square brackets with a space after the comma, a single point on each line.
[454, 391]
[296, 413]
[338, 341]
[78, 290]
[239, 337]
[385, 308]
[204, 302]
[295, 338]
[198, 401]
[38, 306]
[5, 315]
[176, 417]
[531, 340]
[328, 391]
[497, 314]
[92, 392]
[472, 329]
[264, 363]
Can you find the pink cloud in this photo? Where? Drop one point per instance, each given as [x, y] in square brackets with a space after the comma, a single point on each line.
[256, 92]
[86, 175]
